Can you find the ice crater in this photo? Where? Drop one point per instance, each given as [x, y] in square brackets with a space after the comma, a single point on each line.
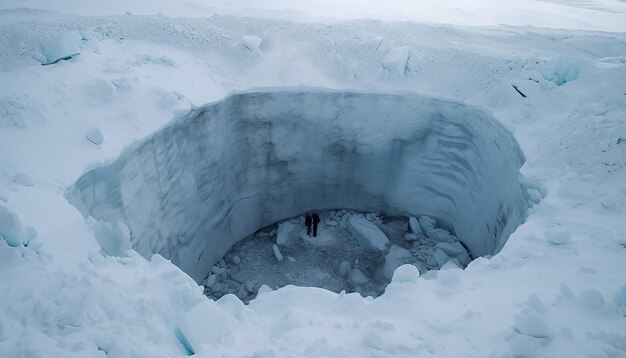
[193, 189]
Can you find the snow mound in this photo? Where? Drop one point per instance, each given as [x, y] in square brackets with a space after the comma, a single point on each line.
[218, 174]
[405, 273]
[62, 47]
[367, 234]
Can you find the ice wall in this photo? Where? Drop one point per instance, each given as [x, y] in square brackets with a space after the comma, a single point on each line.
[197, 186]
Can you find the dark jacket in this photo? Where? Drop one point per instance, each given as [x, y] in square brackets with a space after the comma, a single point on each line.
[307, 221]
[316, 218]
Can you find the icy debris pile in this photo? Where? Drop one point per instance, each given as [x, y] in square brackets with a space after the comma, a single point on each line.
[353, 251]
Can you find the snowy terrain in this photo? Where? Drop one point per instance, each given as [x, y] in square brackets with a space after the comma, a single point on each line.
[73, 287]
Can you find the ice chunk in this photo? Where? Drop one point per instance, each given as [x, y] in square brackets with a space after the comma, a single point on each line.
[62, 47]
[94, 136]
[357, 277]
[456, 250]
[441, 257]
[426, 224]
[210, 280]
[206, 323]
[251, 42]
[263, 289]
[591, 300]
[367, 234]
[10, 228]
[557, 236]
[395, 60]
[415, 226]
[236, 260]
[394, 258]
[277, 253]
[410, 237]
[114, 240]
[286, 233]
[532, 325]
[406, 273]
[344, 268]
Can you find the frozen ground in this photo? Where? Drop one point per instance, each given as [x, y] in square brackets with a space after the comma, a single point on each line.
[328, 260]
[557, 287]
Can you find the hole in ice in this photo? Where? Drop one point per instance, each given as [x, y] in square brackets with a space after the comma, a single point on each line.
[338, 258]
[208, 180]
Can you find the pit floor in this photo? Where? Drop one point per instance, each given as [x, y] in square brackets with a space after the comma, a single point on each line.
[316, 261]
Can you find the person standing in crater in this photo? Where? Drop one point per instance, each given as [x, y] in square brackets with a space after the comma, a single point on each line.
[316, 220]
[307, 222]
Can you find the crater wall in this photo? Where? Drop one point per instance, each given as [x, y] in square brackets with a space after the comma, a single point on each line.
[197, 186]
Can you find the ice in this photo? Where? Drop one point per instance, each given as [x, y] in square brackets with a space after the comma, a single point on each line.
[277, 253]
[114, 239]
[367, 234]
[206, 324]
[590, 299]
[415, 226]
[455, 250]
[405, 274]
[263, 289]
[394, 258]
[251, 42]
[344, 268]
[95, 136]
[62, 47]
[410, 237]
[441, 257]
[395, 60]
[287, 233]
[357, 277]
[11, 229]
[532, 325]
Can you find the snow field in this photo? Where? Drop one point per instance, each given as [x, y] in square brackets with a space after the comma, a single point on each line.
[66, 299]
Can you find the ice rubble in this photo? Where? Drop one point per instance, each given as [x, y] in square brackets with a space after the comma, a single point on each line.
[62, 47]
[197, 186]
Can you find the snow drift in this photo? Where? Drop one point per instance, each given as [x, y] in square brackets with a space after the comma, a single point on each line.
[199, 185]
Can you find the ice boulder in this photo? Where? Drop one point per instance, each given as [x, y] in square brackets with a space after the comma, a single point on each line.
[114, 240]
[427, 225]
[367, 234]
[456, 250]
[410, 237]
[395, 60]
[441, 257]
[591, 300]
[344, 268]
[396, 257]
[286, 233]
[11, 229]
[94, 136]
[415, 226]
[406, 273]
[277, 253]
[533, 326]
[205, 324]
[62, 47]
[357, 277]
[251, 42]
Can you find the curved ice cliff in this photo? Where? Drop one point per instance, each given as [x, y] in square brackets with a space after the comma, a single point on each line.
[207, 180]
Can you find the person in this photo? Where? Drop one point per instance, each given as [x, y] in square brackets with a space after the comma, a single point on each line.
[316, 220]
[307, 222]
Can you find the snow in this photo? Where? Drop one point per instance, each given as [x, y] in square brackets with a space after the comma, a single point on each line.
[61, 47]
[367, 234]
[66, 299]
[591, 300]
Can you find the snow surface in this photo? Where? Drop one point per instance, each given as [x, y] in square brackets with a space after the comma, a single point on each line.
[61, 297]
